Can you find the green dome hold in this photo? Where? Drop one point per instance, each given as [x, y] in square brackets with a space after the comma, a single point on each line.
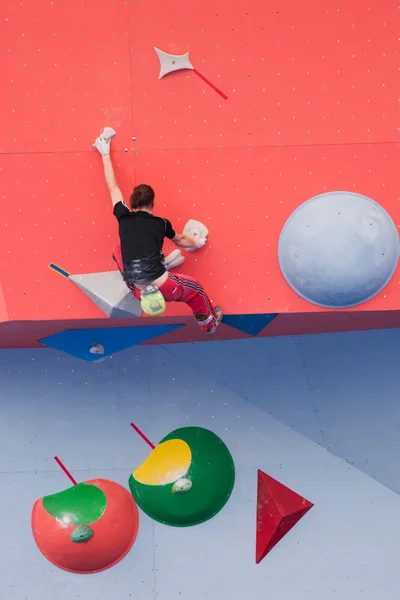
[186, 481]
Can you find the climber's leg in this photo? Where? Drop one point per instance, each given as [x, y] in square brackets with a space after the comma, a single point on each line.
[181, 288]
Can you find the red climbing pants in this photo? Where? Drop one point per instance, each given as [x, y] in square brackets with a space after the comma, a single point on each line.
[180, 288]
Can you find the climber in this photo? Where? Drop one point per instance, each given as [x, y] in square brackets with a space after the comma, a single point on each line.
[141, 239]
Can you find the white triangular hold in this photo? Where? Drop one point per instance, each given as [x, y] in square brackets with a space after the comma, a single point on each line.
[172, 62]
[173, 260]
[110, 293]
[195, 230]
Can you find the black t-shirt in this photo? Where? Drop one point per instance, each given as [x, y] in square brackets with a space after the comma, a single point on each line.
[142, 236]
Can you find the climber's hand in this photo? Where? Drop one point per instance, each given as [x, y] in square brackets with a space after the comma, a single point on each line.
[201, 242]
[102, 145]
[184, 241]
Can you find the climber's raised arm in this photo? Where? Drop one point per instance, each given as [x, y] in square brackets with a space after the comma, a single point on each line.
[115, 192]
[103, 146]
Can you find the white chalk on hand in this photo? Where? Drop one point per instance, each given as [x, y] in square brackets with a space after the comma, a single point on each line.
[197, 231]
[108, 133]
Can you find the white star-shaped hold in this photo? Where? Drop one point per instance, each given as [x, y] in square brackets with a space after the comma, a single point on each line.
[172, 62]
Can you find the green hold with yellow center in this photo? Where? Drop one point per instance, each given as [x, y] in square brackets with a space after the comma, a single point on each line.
[195, 478]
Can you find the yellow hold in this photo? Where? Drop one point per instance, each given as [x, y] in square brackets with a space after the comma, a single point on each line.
[168, 462]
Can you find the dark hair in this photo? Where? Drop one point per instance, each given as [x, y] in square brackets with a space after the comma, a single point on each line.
[142, 197]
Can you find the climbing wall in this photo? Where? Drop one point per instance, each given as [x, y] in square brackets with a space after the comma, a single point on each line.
[311, 108]
[317, 414]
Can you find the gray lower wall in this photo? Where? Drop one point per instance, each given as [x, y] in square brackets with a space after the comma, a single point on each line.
[319, 413]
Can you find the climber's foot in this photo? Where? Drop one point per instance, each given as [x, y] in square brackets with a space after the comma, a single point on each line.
[219, 312]
[211, 330]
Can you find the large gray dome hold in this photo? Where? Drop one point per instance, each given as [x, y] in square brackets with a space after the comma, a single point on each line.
[338, 249]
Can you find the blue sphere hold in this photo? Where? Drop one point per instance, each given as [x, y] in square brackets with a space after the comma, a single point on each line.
[338, 249]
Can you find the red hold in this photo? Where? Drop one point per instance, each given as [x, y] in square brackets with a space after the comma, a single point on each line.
[278, 510]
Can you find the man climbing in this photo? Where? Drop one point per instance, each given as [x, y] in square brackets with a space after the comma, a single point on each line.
[141, 240]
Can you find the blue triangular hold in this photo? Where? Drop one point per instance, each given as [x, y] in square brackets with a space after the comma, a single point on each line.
[251, 324]
[77, 342]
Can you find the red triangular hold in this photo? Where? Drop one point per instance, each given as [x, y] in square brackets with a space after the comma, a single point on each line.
[278, 510]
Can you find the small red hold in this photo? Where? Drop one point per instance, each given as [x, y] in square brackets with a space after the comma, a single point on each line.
[278, 510]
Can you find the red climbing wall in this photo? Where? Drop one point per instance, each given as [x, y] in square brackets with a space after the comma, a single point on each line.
[311, 107]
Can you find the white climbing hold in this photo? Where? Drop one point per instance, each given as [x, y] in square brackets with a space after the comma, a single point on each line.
[108, 133]
[173, 260]
[172, 62]
[181, 486]
[97, 349]
[196, 231]
[109, 292]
